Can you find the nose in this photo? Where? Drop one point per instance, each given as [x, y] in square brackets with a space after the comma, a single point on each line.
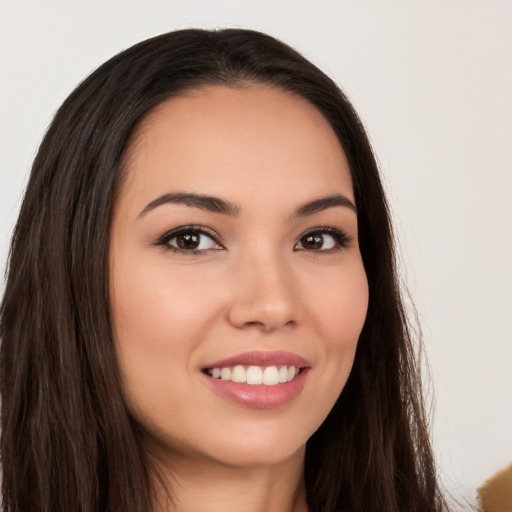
[264, 294]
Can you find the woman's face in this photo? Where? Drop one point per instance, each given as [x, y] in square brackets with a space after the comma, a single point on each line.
[235, 265]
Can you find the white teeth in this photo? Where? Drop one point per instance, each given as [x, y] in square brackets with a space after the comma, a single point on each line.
[225, 373]
[255, 375]
[239, 374]
[270, 376]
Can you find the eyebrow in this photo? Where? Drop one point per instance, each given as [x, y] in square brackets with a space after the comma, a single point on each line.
[217, 205]
[324, 203]
[209, 203]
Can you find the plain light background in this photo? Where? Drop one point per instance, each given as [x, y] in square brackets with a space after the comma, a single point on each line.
[431, 80]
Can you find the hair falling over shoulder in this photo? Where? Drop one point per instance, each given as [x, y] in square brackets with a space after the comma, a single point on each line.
[68, 442]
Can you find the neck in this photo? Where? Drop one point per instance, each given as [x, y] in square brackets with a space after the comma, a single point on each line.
[197, 485]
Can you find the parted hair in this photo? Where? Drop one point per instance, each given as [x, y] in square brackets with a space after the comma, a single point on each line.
[68, 442]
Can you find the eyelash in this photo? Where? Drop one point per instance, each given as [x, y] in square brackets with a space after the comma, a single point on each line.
[164, 240]
[341, 239]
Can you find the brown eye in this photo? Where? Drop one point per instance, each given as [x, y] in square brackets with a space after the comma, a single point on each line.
[312, 242]
[188, 241]
[322, 240]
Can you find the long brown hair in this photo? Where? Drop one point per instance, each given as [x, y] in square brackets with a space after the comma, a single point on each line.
[68, 442]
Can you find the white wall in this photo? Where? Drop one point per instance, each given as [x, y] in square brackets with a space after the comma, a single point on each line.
[432, 82]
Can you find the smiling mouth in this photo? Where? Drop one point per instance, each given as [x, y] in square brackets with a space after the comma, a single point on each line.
[259, 379]
[255, 375]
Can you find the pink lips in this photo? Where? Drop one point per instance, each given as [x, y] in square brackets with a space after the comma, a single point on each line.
[260, 396]
[262, 358]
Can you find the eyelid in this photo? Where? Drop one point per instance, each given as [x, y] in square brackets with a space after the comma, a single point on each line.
[341, 238]
[163, 240]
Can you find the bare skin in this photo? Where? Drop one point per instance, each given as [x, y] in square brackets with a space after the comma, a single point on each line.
[199, 487]
[271, 266]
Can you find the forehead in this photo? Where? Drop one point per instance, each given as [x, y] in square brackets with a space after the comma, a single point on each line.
[237, 141]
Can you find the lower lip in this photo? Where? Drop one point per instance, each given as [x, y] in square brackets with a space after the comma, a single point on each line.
[259, 396]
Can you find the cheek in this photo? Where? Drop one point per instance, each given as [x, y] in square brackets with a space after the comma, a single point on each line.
[340, 316]
[155, 304]
[341, 305]
[159, 318]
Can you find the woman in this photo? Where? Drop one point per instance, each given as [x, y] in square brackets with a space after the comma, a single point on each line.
[202, 309]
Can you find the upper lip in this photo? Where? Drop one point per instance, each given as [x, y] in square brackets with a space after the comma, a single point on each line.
[263, 358]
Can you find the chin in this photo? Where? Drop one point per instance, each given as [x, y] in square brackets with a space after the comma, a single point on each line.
[239, 447]
[261, 444]
[260, 454]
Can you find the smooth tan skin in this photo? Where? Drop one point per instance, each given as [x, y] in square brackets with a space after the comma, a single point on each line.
[260, 289]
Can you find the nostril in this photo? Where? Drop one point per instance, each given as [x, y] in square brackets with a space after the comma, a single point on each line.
[267, 326]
